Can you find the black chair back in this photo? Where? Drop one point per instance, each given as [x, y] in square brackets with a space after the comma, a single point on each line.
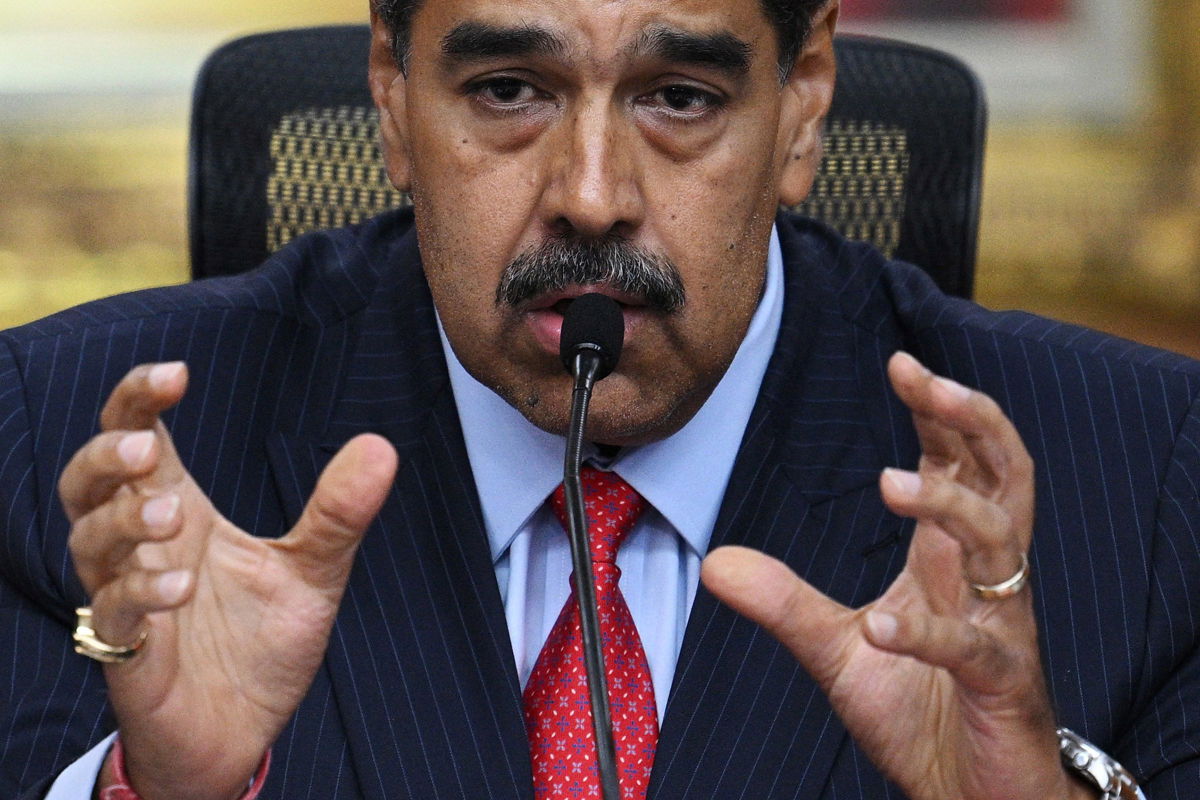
[284, 141]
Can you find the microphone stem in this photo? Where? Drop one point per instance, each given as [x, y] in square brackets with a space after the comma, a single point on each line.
[585, 368]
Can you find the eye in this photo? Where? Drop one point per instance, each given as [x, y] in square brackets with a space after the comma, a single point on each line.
[503, 91]
[685, 101]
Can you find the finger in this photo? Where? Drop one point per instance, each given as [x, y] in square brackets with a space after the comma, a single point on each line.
[348, 496]
[991, 543]
[815, 628]
[119, 608]
[104, 539]
[109, 461]
[940, 443]
[144, 393]
[123, 452]
[973, 655]
[954, 420]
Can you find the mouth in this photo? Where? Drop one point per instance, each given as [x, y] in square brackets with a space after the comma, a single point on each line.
[558, 301]
[544, 314]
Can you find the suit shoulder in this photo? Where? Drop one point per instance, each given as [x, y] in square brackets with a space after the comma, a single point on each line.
[265, 351]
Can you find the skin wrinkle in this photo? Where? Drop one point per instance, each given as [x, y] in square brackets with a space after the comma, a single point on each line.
[791, 20]
[471, 42]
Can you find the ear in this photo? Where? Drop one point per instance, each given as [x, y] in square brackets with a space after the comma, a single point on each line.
[388, 89]
[807, 93]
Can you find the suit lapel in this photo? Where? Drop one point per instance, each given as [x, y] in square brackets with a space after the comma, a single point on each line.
[743, 719]
[419, 660]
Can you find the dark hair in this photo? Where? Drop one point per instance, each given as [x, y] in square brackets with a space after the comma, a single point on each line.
[792, 20]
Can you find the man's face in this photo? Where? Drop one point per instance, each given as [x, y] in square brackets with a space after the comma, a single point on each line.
[547, 136]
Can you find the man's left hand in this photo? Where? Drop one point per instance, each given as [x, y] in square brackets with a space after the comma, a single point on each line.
[941, 688]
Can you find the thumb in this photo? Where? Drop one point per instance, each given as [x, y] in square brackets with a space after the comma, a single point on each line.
[815, 628]
[349, 494]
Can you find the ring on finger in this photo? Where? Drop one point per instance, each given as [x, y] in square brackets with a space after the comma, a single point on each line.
[87, 643]
[1005, 588]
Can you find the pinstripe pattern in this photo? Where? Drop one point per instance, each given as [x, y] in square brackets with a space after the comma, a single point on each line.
[418, 697]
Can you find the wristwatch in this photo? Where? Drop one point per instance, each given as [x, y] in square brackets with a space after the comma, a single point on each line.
[1096, 767]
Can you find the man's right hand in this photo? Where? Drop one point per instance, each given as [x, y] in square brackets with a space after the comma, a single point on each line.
[236, 625]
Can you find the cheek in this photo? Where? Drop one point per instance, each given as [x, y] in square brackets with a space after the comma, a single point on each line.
[719, 230]
[725, 201]
[723, 276]
[474, 214]
[460, 279]
[466, 159]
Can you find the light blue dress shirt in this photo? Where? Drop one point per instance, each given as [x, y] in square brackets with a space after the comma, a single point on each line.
[517, 466]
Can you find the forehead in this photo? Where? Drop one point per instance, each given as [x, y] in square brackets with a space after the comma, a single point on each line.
[597, 28]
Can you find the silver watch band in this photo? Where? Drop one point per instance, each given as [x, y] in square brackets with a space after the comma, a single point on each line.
[1097, 767]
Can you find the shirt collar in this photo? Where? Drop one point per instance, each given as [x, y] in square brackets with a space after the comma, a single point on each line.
[517, 465]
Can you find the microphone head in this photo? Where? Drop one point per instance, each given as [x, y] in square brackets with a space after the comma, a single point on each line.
[592, 322]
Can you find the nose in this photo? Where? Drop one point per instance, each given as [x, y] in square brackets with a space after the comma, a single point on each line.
[594, 188]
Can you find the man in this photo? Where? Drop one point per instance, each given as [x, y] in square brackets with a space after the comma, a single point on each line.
[638, 148]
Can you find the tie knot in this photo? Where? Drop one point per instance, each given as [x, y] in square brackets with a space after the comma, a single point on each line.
[612, 507]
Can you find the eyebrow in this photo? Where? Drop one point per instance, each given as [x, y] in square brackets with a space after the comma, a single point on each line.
[720, 50]
[479, 41]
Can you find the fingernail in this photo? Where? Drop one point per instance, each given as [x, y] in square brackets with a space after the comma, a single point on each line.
[956, 390]
[903, 481]
[883, 626]
[170, 586]
[913, 360]
[135, 448]
[162, 374]
[158, 512]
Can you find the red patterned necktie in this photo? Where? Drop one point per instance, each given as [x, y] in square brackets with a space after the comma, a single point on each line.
[558, 717]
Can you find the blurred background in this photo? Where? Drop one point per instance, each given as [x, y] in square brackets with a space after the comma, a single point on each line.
[1091, 206]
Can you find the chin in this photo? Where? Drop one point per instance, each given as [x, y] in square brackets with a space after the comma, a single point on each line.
[617, 419]
[623, 411]
[610, 421]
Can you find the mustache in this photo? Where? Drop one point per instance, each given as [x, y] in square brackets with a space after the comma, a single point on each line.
[611, 261]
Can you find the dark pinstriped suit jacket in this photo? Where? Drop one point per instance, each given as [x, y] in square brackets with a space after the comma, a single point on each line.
[418, 697]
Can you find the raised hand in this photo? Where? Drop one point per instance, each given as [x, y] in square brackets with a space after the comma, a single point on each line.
[235, 625]
[941, 688]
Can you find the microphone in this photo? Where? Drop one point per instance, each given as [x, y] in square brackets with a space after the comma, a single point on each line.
[593, 326]
[593, 332]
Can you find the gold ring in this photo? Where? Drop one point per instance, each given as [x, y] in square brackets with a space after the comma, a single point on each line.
[87, 643]
[1006, 588]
